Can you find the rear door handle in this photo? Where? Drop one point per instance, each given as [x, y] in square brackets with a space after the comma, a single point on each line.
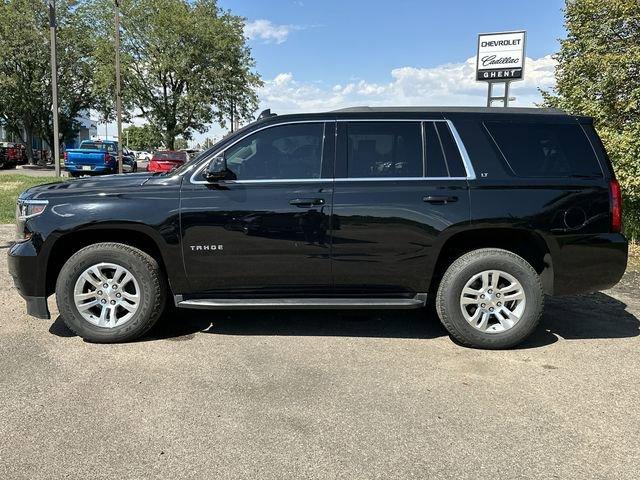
[439, 199]
[306, 202]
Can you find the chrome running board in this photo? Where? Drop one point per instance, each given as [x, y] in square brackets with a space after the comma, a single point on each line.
[301, 303]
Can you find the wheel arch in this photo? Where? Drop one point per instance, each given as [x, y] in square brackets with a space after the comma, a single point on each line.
[69, 243]
[528, 244]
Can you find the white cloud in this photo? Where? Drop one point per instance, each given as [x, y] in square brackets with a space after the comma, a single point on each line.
[449, 84]
[267, 31]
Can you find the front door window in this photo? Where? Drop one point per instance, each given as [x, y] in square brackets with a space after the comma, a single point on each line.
[278, 153]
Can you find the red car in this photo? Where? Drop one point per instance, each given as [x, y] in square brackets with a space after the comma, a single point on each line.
[166, 160]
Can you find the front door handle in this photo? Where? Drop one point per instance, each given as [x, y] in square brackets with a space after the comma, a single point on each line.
[307, 202]
[442, 199]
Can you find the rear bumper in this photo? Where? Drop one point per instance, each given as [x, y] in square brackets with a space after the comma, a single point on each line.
[27, 278]
[73, 168]
[588, 263]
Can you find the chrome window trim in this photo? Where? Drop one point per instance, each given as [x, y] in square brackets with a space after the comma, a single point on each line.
[392, 179]
[466, 161]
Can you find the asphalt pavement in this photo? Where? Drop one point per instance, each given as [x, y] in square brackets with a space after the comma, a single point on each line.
[322, 395]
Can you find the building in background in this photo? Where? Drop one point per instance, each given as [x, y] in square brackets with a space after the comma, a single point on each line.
[87, 129]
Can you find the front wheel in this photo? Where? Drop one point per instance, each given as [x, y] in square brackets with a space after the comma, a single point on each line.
[110, 292]
[490, 298]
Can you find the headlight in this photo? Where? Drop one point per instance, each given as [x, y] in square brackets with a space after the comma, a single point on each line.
[26, 209]
[30, 208]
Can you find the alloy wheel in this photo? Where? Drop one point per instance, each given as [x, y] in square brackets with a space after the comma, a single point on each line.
[492, 301]
[107, 295]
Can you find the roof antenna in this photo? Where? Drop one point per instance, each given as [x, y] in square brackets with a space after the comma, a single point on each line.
[265, 114]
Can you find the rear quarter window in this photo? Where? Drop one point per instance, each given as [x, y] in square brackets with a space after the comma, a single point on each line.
[545, 150]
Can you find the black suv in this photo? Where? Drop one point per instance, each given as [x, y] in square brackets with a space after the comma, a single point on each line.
[480, 211]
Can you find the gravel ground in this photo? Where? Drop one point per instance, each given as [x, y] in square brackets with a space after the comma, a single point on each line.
[288, 395]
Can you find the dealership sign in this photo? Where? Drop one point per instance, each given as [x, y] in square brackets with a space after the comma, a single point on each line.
[500, 56]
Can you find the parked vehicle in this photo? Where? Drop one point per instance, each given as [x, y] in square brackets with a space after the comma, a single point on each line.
[97, 157]
[481, 212]
[143, 156]
[167, 160]
[191, 152]
[11, 154]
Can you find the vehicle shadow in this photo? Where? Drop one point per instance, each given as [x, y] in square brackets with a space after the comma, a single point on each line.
[346, 323]
[572, 318]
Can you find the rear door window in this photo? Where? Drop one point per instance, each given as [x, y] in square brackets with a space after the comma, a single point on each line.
[545, 150]
[384, 149]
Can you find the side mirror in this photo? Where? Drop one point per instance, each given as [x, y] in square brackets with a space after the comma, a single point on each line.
[216, 170]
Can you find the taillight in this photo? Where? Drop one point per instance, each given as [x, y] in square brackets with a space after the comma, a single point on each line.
[106, 157]
[615, 198]
[65, 156]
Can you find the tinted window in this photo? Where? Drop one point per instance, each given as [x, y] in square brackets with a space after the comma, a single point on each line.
[384, 149]
[98, 146]
[436, 165]
[545, 150]
[170, 155]
[282, 152]
[451, 151]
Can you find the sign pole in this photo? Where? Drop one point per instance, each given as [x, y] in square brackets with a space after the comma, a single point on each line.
[504, 99]
[506, 94]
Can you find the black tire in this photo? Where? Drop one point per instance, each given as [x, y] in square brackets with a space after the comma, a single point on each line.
[142, 266]
[448, 304]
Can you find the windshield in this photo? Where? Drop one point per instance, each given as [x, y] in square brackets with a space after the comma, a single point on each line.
[108, 147]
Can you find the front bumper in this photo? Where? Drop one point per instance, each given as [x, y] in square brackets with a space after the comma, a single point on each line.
[37, 307]
[28, 278]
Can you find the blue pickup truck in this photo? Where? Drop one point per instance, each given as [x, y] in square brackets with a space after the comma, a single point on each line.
[96, 157]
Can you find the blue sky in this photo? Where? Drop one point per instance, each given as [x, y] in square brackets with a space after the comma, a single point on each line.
[334, 41]
[318, 55]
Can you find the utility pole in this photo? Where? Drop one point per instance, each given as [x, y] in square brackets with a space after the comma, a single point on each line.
[118, 92]
[232, 111]
[54, 88]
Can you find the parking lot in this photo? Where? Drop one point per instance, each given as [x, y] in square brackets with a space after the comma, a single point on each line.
[273, 395]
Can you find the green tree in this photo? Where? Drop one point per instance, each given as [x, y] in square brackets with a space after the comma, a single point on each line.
[25, 75]
[180, 144]
[184, 63]
[145, 137]
[598, 75]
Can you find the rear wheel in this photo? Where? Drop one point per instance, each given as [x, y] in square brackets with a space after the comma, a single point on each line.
[490, 298]
[110, 292]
